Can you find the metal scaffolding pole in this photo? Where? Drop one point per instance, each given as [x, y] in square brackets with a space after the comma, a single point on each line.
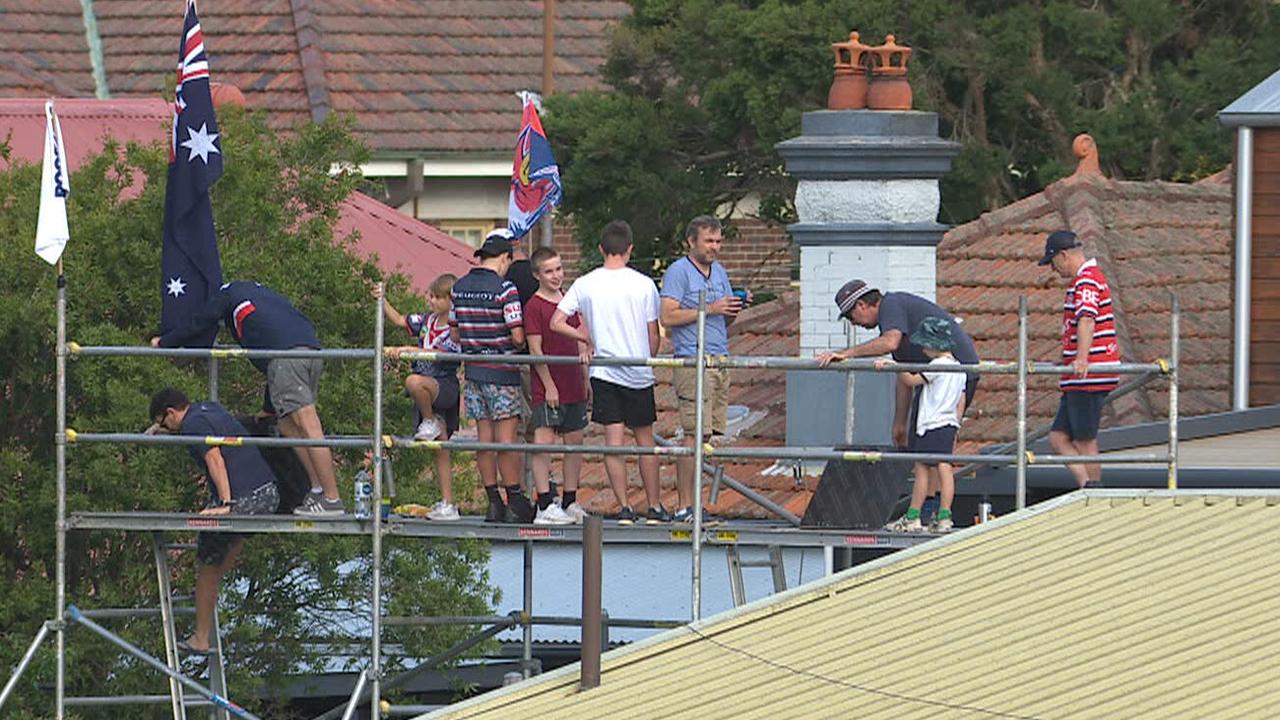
[1175, 360]
[26, 660]
[73, 613]
[699, 439]
[526, 650]
[60, 441]
[375, 605]
[1020, 499]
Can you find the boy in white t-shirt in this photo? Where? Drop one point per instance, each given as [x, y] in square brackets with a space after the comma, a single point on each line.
[937, 423]
[619, 309]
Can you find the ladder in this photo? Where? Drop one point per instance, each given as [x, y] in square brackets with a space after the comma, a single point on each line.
[216, 667]
[736, 586]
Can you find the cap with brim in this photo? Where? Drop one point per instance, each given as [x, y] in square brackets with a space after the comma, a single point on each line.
[497, 242]
[1058, 241]
[849, 293]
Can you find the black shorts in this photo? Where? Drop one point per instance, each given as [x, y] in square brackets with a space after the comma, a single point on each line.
[1079, 414]
[563, 418]
[938, 441]
[970, 390]
[613, 403]
[447, 405]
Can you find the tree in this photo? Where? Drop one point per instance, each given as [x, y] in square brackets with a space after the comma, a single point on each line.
[294, 596]
[703, 89]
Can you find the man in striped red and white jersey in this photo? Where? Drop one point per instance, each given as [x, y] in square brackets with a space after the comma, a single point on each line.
[1088, 337]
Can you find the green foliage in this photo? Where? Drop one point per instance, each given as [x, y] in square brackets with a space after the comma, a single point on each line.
[293, 597]
[703, 89]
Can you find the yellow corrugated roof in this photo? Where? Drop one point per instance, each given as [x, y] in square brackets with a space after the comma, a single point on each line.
[1105, 604]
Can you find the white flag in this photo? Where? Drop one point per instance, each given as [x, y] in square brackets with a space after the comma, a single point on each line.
[51, 231]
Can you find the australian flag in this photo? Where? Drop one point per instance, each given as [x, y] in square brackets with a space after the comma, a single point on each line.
[191, 270]
[535, 177]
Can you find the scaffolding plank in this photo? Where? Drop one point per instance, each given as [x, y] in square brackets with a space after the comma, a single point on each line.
[728, 533]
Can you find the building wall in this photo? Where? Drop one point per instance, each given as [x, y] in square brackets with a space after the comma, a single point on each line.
[1264, 345]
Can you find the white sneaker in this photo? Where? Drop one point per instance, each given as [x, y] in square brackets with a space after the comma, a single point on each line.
[428, 429]
[443, 511]
[577, 512]
[553, 515]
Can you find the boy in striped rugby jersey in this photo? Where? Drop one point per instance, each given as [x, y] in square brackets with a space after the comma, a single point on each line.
[1088, 338]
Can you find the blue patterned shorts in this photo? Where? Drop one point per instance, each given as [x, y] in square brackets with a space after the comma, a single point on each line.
[487, 401]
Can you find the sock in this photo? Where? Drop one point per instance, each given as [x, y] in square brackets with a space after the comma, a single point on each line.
[913, 513]
[544, 500]
[514, 490]
[317, 491]
[570, 497]
[944, 514]
[495, 497]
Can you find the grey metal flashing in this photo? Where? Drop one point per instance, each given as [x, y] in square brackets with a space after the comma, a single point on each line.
[870, 123]
[94, 42]
[832, 157]
[1259, 107]
[730, 533]
[855, 234]
[1191, 428]
[1000, 481]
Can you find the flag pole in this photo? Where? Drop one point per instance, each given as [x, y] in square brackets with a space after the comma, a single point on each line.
[60, 444]
[548, 82]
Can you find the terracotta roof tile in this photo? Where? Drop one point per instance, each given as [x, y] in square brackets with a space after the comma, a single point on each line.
[436, 76]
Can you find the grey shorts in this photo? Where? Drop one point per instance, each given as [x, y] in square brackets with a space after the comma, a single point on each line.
[293, 383]
[563, 418]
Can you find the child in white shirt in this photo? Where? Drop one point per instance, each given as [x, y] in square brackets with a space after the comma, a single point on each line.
[937, 422]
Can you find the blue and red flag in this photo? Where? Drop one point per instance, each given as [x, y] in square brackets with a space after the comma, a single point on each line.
[191, 270]
[535, 177]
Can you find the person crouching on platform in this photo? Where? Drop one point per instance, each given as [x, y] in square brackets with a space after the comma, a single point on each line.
[239, 480]
[937, 423]
[434, 384]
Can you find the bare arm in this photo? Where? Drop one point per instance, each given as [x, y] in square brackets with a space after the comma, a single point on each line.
[672, 315]
[543, 371]
[655, 341]
[560, 324]
[517, 336]
[218, 473]
[1084, 341]
[887, 343]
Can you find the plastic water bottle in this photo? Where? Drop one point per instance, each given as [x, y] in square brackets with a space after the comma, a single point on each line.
[364, 494]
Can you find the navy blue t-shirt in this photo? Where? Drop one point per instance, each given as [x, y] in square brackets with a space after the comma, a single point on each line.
[258, 318]
[904, 312]
[247, 470]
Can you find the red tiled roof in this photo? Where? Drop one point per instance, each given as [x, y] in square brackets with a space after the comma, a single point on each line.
[413, 247]
[1150, 238]
[436, 77]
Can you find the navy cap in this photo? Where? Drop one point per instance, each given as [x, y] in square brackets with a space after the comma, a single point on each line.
[1058, 241]
[850, 293]
[497, 242]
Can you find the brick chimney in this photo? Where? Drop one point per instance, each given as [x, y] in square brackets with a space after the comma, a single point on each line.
[867, 200]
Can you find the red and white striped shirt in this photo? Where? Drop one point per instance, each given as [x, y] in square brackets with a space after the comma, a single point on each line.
[1089, 295]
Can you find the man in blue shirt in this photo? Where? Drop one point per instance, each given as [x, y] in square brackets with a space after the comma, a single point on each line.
[239, 479]
[696, 271]
[260, 319]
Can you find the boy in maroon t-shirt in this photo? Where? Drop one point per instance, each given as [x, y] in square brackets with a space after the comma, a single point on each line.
[560, 392]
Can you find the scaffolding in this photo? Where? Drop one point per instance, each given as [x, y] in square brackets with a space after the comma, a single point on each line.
[371, 685]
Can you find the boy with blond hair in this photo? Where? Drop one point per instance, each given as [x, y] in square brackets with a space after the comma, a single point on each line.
[433, 384]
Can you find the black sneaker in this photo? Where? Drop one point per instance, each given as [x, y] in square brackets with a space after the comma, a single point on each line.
[626, 516]
[657, 515]
[496, 512]
[519, 510]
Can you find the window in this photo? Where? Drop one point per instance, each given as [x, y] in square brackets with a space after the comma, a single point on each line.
[470, 233]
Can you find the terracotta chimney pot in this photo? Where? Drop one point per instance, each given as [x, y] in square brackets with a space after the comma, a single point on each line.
[849, 87]
[889, 89]
[224, 94]
[1086, 151]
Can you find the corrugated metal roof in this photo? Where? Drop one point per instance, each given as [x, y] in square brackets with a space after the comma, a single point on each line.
[1260, 107]
[1100, 604]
